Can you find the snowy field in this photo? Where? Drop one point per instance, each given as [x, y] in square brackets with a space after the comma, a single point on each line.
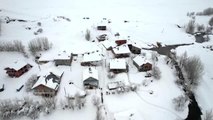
[148, 22]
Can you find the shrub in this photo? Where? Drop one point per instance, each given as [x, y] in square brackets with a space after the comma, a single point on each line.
[190, 27]
[49, 104]
[209, 30]
[208, 115]
[39, 23]
[156, 73]
[0, 27]
[180, 102]
[200, 28]
[79, 101]
[13, 109]
[39, 44]
[194, 70]
[211, 21]
[87, 35]
[16, 45]
[30, 82]
[96, 100]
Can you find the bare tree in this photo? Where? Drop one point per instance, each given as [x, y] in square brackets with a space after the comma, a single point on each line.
[79, 101]
[15, 45]
[30, 82]
[96, 100]
[0, 26]
[183, 58]
[100, 113]
[194, 70]
[207, 11]
[87, 35]
[211, 21]
[208, 115]
[180, 102]
[200, 28]
[156, 73]
[154, 56]
[49, 104]
[190, 27]
[39, 44]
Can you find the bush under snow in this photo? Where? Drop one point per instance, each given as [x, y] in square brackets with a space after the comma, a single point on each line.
[39, 44]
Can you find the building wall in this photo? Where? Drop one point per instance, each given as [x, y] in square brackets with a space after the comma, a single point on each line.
[135, 50]
[91, 80]
[18, 73]
[136, 65]
[101, 27]
[63, 62]
[120, 42]
[44, 91]
[122, 55]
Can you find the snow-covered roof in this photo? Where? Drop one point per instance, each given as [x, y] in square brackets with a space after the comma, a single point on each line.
[52, 55]
[17, 64]
[62, 55]
[96, 56]
[112, 85]
[107, 44]
[123, 49]
[90, 72]
[140, 60]
[117, 64]
[46, 57]
[49, 79]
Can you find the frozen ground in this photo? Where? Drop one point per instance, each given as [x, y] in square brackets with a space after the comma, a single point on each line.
[149, 21]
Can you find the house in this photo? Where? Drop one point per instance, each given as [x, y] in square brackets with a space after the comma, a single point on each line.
[63, 58]
[121, 51]
[108, 45]
[142, 63]
[102, 37]
[18, 68]
[90, 78]
[134, 47]
[92, 59]
[118, 65]
[121, 41]
[48, 84]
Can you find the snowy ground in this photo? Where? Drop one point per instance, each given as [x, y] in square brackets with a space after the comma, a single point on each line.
[148, 22]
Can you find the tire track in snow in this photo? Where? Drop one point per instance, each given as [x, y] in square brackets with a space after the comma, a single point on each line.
[157, 106]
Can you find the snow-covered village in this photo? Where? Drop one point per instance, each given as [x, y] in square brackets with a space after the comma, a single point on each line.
[106, 60]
